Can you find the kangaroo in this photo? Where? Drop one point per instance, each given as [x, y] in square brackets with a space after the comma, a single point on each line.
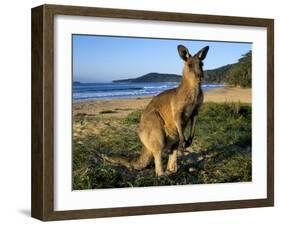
[166, 117]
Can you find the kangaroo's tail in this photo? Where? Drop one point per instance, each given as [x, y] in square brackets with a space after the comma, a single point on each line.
[138, 163]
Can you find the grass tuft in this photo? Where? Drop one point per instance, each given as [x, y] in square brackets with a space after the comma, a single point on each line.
[133, 117]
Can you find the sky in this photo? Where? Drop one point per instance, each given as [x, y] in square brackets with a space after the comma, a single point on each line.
[107, 58]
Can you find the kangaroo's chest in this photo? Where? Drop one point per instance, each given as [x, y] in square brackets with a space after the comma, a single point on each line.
[194, 101]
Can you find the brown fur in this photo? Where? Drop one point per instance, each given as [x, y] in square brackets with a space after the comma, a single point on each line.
[166, 117]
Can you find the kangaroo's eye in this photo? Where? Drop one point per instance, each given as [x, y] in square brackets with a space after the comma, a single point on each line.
[190, 65]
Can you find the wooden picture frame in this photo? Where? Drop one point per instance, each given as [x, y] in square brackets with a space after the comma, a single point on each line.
[42, 204]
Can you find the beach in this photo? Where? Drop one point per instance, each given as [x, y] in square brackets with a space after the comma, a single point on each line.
[121, 107]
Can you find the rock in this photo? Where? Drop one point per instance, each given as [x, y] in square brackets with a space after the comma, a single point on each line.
[191, 169]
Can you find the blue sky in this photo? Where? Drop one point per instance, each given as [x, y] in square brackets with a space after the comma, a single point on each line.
[106, 58]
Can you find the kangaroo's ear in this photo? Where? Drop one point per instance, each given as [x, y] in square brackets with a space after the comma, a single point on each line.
[183, 52]
[202, 53]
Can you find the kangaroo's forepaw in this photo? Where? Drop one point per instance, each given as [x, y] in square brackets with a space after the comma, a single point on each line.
[188, 142]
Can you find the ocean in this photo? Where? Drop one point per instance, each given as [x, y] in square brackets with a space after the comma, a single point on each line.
[105, 91]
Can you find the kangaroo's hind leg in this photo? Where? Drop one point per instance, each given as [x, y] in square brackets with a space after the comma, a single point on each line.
[155, 145]
[152, 136]
[158, 163]
[172, 162]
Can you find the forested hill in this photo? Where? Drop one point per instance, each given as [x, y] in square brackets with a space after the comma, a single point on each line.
[153, 77]
[217, 75]
[210, 76]
[237, 74]
[241, 72]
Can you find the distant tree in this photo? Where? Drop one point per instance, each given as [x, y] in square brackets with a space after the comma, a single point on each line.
[240, 73]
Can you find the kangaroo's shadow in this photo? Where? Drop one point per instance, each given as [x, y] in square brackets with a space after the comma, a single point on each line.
[193, 162]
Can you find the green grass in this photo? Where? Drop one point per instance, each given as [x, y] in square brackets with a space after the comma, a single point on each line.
[221, 150]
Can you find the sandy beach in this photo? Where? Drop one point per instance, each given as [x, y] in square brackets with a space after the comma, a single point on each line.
[121, 107]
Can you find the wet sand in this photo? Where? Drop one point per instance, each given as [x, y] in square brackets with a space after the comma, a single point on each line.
[121, 107]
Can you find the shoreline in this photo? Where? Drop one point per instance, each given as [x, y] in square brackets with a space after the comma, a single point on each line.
[121, 107]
